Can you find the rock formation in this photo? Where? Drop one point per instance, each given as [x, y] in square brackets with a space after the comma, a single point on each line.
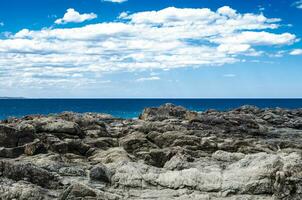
[169, 153]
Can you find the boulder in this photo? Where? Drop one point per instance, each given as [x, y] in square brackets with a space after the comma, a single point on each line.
[100, 173]
[136, 142]
[167, 111]
[8, 136]
[26, 171]
[11, 152]
[26, 133]
[12, 137]
[66, 128]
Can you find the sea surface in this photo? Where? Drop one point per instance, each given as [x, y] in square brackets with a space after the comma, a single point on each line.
[129, 108]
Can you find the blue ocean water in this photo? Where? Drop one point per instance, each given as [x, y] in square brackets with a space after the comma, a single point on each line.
[129, 108]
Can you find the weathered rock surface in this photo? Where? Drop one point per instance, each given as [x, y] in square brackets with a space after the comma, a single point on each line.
[168, 153]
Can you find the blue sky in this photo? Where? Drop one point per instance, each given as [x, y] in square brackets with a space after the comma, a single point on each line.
[144, 48]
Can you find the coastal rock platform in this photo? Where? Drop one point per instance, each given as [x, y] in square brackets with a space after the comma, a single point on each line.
[168, 153]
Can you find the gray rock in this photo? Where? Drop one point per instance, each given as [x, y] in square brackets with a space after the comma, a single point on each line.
[22, 190]
[170, 153]
[12, 137]
[167, 111]
[227, 156]
[58, 126]
[100, 173]
[35, 148]
[79, 192]
[11, 152]
[136, 142]
[29, 172]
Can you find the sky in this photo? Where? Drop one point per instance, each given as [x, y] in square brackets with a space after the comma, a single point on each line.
[151, 48]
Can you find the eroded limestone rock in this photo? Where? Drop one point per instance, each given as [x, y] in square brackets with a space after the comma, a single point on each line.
[169, 153]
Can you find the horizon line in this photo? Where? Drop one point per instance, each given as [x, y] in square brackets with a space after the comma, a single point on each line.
[142, 98]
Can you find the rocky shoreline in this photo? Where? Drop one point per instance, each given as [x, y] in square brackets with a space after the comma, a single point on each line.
[168, 153]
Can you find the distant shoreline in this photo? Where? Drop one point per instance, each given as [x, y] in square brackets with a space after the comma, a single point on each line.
[12, 98]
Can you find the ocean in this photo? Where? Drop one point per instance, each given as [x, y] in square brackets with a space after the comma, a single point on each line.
[129, 108]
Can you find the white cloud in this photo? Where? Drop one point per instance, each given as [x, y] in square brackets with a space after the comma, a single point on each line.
[123, 15]
[152, 78]
[227, 11]
[156, 40]
[231, 48]
[73, 16]
[116, 1]
[257, 38]
[277, 54]
[296, 52]
[1, 23]
[298, 4]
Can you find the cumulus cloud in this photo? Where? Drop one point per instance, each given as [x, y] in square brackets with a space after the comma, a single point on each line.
[298, 4]
[123, 15]
[72, 15]
[153, 40]
[257, 38]
[296, 52]
[116, 1]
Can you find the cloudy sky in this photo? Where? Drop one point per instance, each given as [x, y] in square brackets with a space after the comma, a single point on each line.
[151, 48]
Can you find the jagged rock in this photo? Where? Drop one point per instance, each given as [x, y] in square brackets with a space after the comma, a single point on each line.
[136, 142]
[26, 133]
[167, 111]
[96, 133]
[102, 143]
[59, 147]
[169, 153]
[178, 162]
[100, 173]
[112, 155]
[22, 190]
[77, 147]
[158, 157]
[29, 172]
[8, 136]
[173, 138]
[11, 152]
[59, 126]
[70, 170]
[34, 148]
[227, 156]
[12, 137]
[79, 192]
